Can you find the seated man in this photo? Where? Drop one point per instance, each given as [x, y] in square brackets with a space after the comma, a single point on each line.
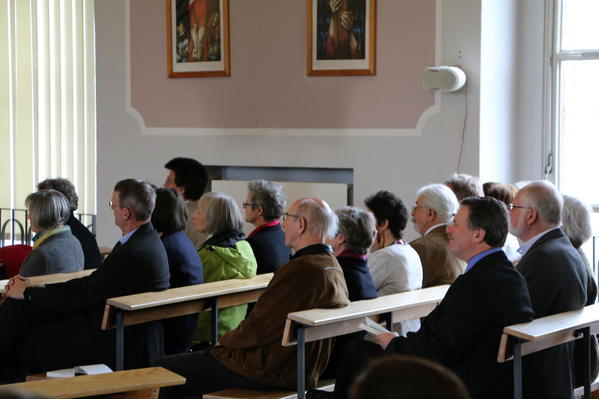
[463, 332]
[190, 178]
[435, 206]
[251, 356]
[58, 326]
[557, 281]
[263, 208]
[464, 186]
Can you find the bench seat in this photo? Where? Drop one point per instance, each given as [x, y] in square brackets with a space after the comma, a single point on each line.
[137, 383]
[327, 385]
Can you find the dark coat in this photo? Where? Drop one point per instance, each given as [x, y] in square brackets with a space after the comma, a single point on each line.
[463, 332]
[88, 242]
[557, 281]
[186, 269]
[357, 276]
[58, 326]
[269, 248]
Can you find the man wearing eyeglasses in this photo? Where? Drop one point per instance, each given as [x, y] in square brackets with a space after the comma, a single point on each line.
[556, 279]
[58, 326]
[435, 206]
[251, 356]
[263, 208]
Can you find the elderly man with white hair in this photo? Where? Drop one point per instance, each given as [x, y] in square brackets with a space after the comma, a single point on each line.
[435, 207]
[251, 356]
[556, 278]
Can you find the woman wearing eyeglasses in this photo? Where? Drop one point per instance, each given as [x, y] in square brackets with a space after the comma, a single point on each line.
[225, 255]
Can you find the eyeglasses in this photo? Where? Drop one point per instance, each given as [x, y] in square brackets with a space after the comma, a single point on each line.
[248, 204]
[287, 215]
[110, 204]
[512, 207]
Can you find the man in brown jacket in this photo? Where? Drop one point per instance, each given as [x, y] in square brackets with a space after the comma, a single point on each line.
[435, 207]
[251, 356]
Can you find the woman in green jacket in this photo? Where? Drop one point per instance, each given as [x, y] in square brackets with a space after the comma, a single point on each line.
[225, 255]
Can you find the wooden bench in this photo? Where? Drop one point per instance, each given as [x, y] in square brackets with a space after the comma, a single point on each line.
[133, 384]
[522, 339]
[328, 385]
[149, 306]
[52, 278]
[315, 324]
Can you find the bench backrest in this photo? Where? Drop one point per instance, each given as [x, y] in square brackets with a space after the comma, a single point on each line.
[52, 278]
[101, 384]
[150, 306]
[327, 323]
[548, 331]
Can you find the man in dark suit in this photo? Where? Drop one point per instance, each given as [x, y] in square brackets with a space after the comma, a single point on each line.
[463, 332]
[58, 326]
[556, 278]
[263, 208]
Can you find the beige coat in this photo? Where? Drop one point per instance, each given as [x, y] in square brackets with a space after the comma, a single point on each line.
[254, 348]
[439, 266]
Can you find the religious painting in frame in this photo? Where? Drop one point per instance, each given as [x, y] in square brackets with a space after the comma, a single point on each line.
[197, 38]
[341, 37]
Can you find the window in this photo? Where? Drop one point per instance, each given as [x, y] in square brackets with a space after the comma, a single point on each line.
[47, 99]
[575, 62]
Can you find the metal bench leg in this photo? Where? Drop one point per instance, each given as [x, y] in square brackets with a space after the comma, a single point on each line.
[120, 341]
[518, 370]
[214, 320]
[586, 342]
[301, 362]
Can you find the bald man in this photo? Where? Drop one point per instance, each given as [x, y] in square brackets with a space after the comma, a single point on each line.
[251, 356]
[556, 279]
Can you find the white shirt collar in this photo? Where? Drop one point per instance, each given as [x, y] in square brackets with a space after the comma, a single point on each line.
[526, 246]
[434, 227]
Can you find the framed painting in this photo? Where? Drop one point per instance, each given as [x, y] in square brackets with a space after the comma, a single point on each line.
[197, 38]
[341, 37]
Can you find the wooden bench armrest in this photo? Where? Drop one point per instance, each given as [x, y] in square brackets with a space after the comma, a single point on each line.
[101, 384]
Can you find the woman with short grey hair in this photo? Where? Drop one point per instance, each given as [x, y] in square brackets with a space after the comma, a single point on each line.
[55, 249]
[225, 255]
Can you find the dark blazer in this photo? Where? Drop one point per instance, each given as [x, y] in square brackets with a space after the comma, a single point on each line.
[357, 276]
[269, 248]
[58, 326]
[88, 242]
[59, 253]
[463, 332]
[186, 269]
[557, 281]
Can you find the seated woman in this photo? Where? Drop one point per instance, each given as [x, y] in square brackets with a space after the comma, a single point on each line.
[55, 249]
[394, 265]
[225, 255]
[355, 236]
[169, 219]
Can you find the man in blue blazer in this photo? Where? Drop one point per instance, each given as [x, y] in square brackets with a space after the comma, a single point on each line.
[463, 332]
[58, 326]
[556, 278]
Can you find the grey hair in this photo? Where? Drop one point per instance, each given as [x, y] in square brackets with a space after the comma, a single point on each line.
[321, 220]
[269, 196]
[441, 199]
[64, 186]
[464, 186]
[48, 208]
[576, 220]
[138, 196]
[544, 197]
[358, 227]
[221, 212]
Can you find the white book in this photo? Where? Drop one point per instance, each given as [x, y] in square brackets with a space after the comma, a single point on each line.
[372, 327]
[79, 370]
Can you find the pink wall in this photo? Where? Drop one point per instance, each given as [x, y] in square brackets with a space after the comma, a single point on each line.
[268, 86]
